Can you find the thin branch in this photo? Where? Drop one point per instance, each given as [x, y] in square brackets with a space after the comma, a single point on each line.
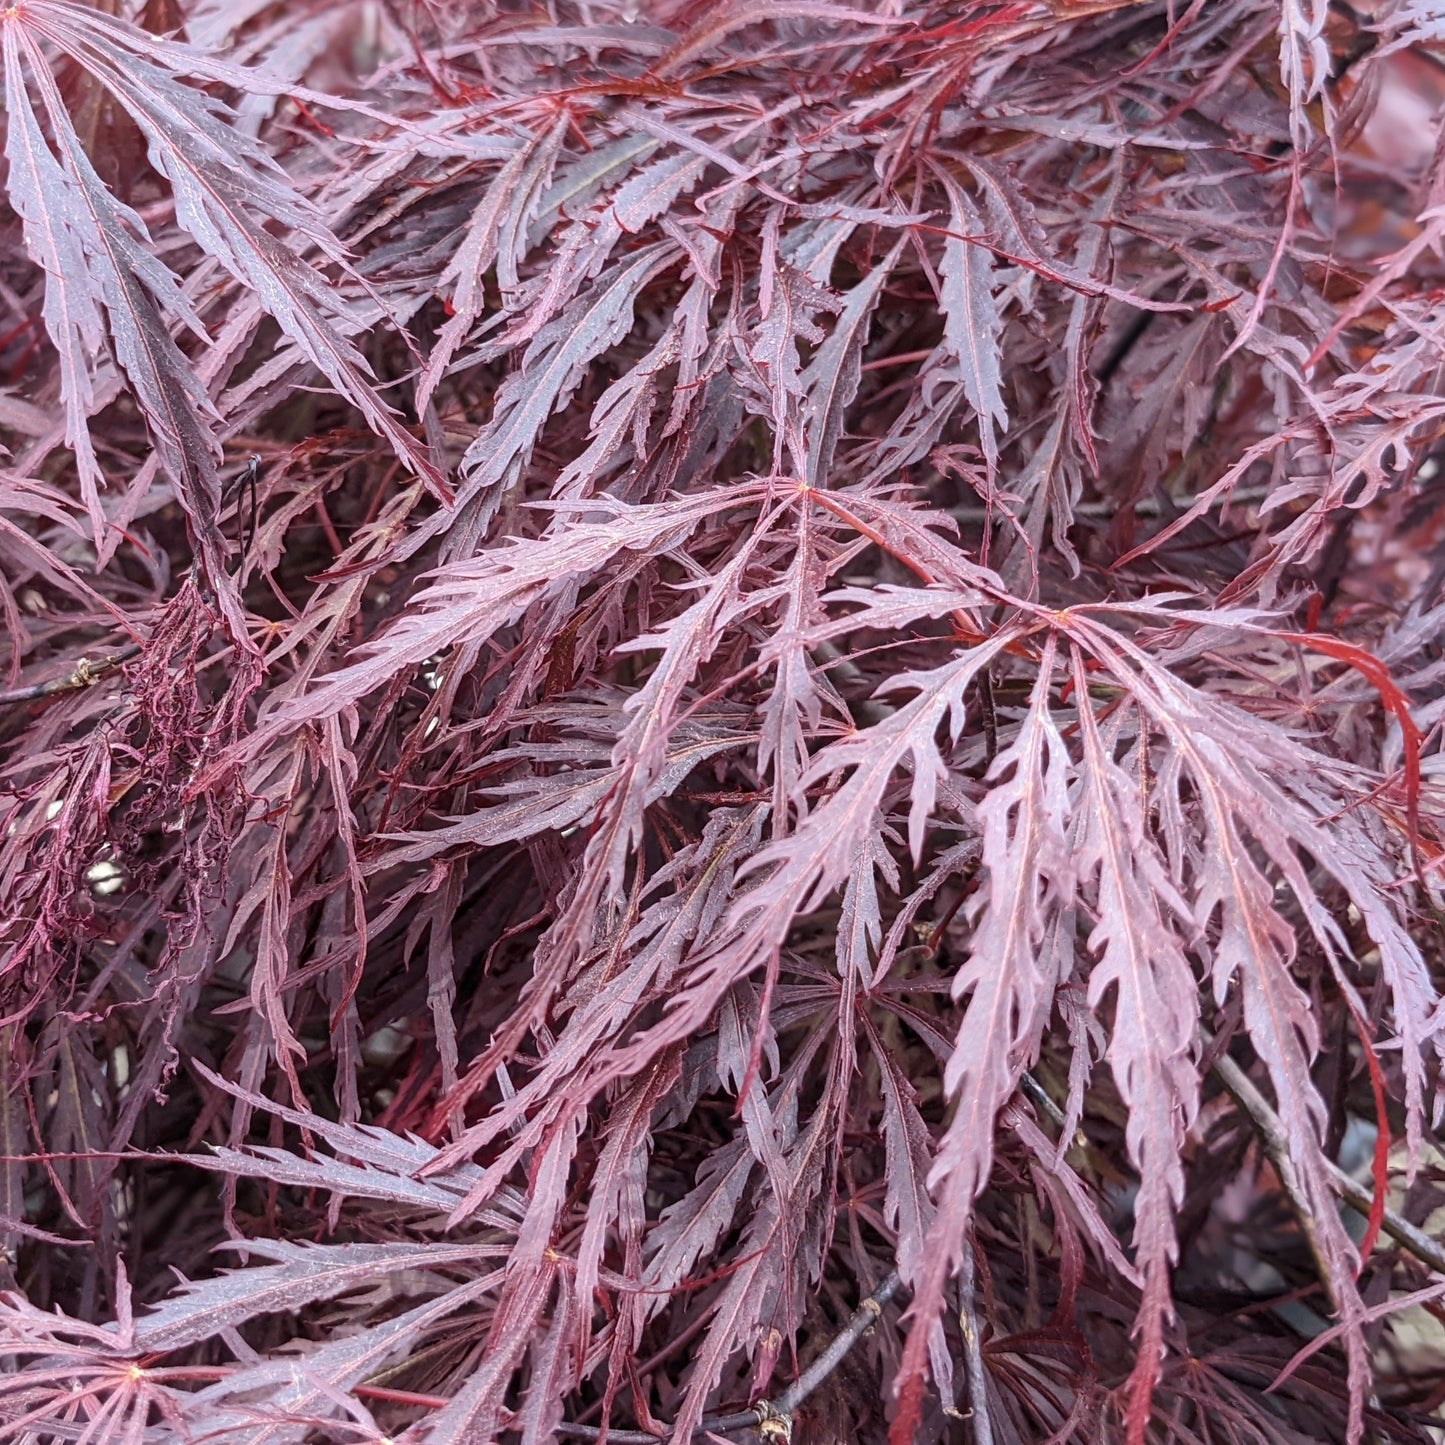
[1144, 507]
[773, 1416]
[1276, 1145]
[84, 673]
[864, 1318]
[1041, 1099]
[1272, 1135]
[973, 1366]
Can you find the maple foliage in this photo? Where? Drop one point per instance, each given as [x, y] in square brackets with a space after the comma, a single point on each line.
[665, 655]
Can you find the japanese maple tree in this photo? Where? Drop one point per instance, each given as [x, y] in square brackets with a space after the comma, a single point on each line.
[673, 666]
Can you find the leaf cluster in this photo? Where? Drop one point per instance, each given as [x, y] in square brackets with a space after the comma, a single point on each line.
[662, 657]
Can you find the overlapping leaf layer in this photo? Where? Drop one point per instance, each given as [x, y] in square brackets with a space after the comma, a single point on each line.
[662, 655]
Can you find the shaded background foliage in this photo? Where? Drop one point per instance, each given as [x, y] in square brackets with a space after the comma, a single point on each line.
[662, 655]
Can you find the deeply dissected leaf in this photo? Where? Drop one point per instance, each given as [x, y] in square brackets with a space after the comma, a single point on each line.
[299, 1276]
